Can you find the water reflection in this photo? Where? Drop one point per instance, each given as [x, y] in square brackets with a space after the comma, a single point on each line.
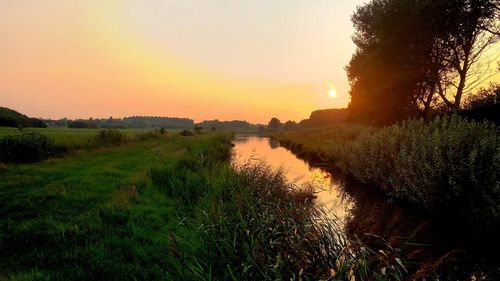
[425, 245]
[257, 149]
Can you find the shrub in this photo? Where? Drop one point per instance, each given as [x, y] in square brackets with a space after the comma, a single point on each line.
[186, 133]
[450, 165]
[26, 147]
[110, 137]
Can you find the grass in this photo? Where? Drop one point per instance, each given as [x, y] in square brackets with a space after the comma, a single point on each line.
[24, 146]
[170, 208]
[71, 136]
[94, 215]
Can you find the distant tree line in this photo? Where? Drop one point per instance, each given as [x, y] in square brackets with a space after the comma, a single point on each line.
[233, 126]
[318, 118]
[416, 57]
[135, 122]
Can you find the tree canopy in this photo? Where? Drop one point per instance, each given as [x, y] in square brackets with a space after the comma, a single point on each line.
[415, 54]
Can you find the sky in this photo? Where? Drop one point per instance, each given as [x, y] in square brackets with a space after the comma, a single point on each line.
[218, 59]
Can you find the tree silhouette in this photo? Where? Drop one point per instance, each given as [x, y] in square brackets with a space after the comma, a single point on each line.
[412, 54]
[274, 124]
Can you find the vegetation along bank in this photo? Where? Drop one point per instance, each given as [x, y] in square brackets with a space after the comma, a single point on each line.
[449, 166]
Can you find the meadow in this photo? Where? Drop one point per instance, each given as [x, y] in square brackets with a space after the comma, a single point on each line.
[65, 135]
[170, 207]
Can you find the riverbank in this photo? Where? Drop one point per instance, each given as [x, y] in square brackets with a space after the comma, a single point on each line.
[425, 244]
[173, 207]
[170, 208]
[449, 167]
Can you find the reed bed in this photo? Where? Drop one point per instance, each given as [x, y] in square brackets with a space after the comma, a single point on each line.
[449, 166]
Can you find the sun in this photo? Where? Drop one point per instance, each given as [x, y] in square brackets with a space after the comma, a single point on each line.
[332, 92]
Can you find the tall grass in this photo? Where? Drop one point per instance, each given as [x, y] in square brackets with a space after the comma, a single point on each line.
[257, 226]
[251, 224]
[187, 178]
[449, 166]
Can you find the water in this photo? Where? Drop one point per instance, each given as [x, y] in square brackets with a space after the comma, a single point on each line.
[256, 149]
[362, 210]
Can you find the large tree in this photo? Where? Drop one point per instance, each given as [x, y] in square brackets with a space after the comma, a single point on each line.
[410, 53]
[466, 30]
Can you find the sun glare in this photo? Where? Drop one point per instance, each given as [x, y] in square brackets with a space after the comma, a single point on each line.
[332, 92]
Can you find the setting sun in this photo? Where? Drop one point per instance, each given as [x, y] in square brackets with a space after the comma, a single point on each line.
[332, 92]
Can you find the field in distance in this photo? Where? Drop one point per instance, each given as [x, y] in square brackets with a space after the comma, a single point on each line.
[64, 135]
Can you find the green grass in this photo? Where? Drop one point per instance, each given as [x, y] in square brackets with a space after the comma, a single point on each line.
[66, 135]
[170, 208]
[91, 216]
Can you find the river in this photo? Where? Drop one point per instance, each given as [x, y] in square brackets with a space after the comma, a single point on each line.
[365, 213]
[259, 149]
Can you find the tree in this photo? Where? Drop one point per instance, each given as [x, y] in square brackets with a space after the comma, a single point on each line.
[468, 28]
[485, 97]
[290, 125]
[412, 53]
[391, 68]
[274, 124]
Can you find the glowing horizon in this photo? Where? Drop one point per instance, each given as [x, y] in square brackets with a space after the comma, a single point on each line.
[226, 60]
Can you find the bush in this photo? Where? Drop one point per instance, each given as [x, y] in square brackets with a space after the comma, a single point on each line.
[26, 147]
[109, 137]
[449, 165]
[186, 133]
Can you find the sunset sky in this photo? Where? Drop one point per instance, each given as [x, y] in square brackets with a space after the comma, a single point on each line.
[222, 59]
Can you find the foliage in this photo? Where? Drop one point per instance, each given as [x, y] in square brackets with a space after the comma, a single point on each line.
[26, 147]
[186, 179]
[450, 166]
[109, 137]
[82, 124]
[12, 118]
[171, 208]
[157, 122]
[274, 124]
[430, 57]
[290, 125]
[186, 133]
[485, 97]
[324, 117]
[231, 126]
[259, 227]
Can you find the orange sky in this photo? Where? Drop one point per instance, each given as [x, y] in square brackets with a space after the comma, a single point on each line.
[222, 59]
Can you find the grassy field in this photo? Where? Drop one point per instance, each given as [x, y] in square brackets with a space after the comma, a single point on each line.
[66, 135]
[93, 216]
[170, 208]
